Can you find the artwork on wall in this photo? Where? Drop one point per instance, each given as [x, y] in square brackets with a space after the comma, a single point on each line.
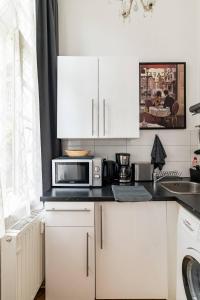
[163, 95]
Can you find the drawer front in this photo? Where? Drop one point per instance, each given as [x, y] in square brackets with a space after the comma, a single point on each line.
[69, 214]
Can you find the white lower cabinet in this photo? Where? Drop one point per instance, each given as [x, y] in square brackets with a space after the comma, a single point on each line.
[131, 250]
[70, 254]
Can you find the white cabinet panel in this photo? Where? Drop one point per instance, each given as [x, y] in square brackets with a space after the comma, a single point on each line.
[70, 263]
[118, 97]
[77, 97]
[131, 259]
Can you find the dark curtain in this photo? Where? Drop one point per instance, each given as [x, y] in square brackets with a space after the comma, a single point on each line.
[47, 51]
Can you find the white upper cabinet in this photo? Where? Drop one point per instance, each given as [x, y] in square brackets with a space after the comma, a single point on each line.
[98, 97]
[118, 97]
[77, 97]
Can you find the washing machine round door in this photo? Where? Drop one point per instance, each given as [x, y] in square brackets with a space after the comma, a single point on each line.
[191, 277]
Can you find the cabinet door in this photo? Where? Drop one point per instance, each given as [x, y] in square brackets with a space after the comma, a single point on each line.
[131, 251]
[70, 271]
[77, 97]
[150, 261]
[118, 97]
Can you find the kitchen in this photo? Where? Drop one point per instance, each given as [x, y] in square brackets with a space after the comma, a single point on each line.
[140, 241]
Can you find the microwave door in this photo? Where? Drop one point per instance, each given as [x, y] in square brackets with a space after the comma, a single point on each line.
[77, 174]
[73, 173]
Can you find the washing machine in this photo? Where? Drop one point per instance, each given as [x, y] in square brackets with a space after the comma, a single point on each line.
[188, 257]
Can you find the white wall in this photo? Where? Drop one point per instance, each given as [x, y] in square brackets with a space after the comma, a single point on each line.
[93, 27]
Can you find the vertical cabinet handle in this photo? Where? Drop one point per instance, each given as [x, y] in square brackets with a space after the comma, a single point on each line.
[87, 254]
[188, 225]
[92, 117]
[101, 227]
[98, 120]
[104, 117]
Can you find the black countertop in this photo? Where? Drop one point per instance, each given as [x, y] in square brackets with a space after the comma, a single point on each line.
[190, 202]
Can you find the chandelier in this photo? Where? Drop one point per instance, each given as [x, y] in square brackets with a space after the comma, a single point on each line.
[128, 5]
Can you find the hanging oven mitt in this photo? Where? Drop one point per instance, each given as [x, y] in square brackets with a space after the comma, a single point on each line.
[158, 154]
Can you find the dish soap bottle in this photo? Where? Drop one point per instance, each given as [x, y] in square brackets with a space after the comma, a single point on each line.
[195, 162]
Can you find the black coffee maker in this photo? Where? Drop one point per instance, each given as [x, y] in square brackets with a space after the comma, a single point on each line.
[123, 166]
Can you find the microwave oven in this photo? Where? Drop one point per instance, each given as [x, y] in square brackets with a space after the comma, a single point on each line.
[77, 172]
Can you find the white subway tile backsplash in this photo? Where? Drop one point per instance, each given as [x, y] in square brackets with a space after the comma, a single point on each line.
[110, 142]
[76, 142]
[177, 153]
[146, 138]
[108, 152]
[194, 137]
[175, 137]
[179, 146]
[140, 153]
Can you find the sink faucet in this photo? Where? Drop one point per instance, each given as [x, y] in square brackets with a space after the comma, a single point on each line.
[157, 176]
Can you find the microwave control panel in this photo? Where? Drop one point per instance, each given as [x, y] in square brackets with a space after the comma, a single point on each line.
[97, 172]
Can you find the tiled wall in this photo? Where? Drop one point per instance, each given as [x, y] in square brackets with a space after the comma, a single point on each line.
[179, 146]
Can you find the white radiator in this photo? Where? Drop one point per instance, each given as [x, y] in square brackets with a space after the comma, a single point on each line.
[22, 259]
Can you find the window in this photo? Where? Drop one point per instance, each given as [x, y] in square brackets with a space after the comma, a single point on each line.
[20, 158]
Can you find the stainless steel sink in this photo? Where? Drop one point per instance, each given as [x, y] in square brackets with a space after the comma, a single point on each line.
[182, 187]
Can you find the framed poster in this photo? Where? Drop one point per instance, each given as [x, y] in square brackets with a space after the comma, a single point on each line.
[162, 95]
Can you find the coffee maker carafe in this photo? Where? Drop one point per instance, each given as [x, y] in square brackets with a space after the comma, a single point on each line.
[124, 170]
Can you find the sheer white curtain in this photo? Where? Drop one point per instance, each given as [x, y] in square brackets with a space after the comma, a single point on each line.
[20, 158]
